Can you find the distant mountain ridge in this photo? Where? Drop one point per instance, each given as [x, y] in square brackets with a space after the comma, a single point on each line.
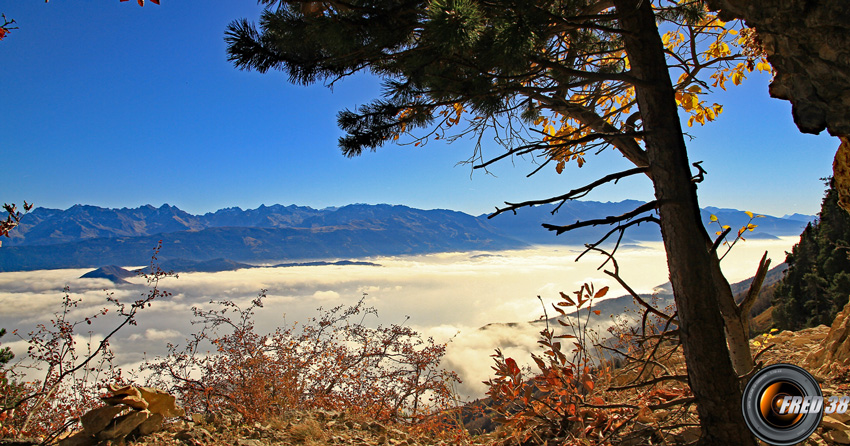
[117, 274]
[91, 236]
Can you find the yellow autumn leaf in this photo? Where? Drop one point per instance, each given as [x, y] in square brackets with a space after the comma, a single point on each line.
[737, 77]
[713, 217]
[749, 214]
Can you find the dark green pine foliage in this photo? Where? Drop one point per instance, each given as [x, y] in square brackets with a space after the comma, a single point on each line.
[494, 58]
[817, 283]
[496, 70]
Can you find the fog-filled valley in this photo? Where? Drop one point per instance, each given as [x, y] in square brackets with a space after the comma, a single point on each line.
[449, 296]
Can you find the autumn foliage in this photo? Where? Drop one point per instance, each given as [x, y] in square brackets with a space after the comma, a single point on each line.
[48, 389]
[331, 362]
[589, 391]
[13, 216]
[6, 26]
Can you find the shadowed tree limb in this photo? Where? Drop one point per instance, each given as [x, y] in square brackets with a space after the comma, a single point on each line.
[622, 229]
[571, 195]
[616, 275]
[603, 221]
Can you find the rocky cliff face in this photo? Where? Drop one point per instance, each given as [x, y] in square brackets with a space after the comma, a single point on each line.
[808, 43]
[832, 359]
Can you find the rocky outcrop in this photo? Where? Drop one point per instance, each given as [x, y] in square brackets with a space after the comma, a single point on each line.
[832, 359]
[808, 44]
[841, 173]
[129, 410]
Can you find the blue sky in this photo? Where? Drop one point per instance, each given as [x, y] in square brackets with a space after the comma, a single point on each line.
[110, 104]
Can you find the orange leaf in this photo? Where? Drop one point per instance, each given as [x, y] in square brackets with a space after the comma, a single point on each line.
[567, 298]
[601, 293]
[512, 367]
[597, 312]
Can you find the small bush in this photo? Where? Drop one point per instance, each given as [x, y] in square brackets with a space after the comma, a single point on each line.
[332, 362]
[576, 397]
[46, 391]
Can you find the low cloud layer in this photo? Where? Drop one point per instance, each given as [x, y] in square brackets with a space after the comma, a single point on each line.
[448, 296]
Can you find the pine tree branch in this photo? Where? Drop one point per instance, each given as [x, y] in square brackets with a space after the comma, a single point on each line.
[604, 221]
[571, 195]
[591, 75]
[622, 229]
[625, 144]
[528, 148]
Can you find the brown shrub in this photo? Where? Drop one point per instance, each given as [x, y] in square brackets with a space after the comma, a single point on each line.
[331, 362]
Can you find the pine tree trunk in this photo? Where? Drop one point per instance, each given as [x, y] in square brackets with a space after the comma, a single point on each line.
[712, 377]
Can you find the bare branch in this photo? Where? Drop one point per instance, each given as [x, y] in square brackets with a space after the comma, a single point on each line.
[646, 207]
[616, 275]
[682, 378]
[699, 177]
[622, 229]
[672, 403]
[719, 239]
[573, 194]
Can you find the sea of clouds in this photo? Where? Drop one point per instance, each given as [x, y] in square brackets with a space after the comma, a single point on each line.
[449, 296]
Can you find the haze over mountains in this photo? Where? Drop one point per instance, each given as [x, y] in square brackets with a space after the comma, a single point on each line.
[91, 236]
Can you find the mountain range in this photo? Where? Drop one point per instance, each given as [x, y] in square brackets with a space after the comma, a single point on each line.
[90, 236]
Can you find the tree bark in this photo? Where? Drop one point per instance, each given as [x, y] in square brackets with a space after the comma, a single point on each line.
[736, 322]
[712, 378]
